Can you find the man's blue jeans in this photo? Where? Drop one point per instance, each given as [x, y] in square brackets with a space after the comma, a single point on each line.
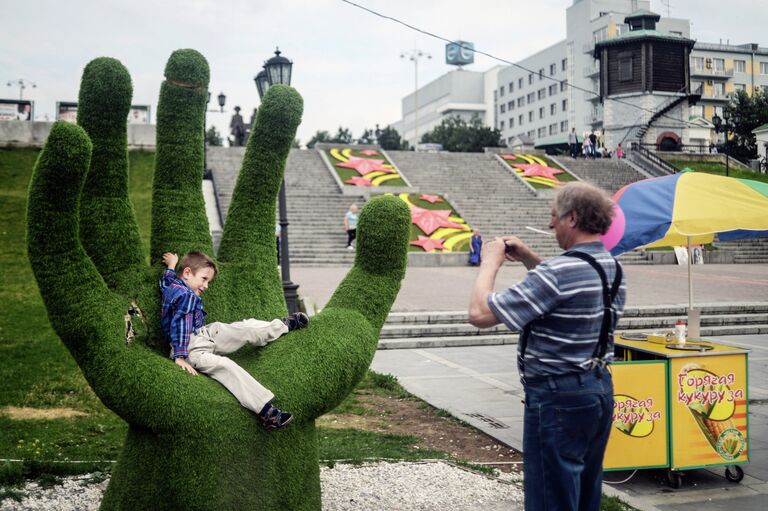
[566, 427]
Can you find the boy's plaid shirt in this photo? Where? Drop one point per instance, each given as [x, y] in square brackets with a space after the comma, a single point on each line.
[182, 313]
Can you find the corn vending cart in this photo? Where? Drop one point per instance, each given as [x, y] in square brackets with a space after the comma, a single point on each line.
[678, 406]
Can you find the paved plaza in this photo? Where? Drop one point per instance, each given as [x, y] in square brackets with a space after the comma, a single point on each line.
[480, 385]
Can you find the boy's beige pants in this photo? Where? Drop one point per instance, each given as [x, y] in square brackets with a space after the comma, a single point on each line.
[207, 346]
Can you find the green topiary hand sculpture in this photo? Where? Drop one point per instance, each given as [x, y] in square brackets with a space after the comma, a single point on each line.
[190, 444]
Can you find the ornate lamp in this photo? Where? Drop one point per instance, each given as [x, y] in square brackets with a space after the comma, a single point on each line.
[262, 83]
[278, 69]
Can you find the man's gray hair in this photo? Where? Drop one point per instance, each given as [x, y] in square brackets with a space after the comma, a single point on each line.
[591, 206]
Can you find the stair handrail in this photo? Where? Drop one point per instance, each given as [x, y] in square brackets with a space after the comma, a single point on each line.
[657, 112]
[654, 158]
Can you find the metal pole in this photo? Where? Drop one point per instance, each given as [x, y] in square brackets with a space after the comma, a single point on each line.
[690, 278]
[416, 96]
[727, 152]
[289, 288]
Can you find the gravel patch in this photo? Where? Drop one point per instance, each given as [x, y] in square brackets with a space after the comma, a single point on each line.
[425, 486]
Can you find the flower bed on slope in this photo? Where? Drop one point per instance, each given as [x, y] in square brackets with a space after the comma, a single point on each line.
[363, 167]
[538, 171]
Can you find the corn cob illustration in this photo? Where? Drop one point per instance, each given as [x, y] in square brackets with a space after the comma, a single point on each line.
[711, 428]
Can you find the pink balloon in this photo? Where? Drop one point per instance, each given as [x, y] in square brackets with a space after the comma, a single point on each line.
[611, 238]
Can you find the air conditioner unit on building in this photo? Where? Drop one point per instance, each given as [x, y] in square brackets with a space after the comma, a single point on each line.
[709, 82]
[708, 63]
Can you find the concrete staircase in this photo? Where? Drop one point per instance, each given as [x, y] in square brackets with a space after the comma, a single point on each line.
[610, 173]
[484, 193]
[749, 251]
[449, 329]
[316, 207]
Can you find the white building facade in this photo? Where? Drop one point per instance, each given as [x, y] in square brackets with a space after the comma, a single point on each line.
[557, 88]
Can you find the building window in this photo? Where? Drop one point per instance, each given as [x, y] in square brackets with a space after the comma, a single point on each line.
[719, 111]
[565, 105]
[697, 62]
[541, 73]
[520, 83]
[625, 69]
[552, 69]
[530, 116]
[553, 89]
[502, 108]
[501, 91]
[764, 68]
[511, 87]
[719, 89]
[511, 105]
[520, 101]
[600, 35]
[718, 64]
[697, 87]
[541, 112]
[531, 133]
[740, 66]
[553, 109]
[739, 86]
[531, 98]
[501, 125]
[553, 129]
[511, 122]
[563, 126]
[530, 78]
[520, 119]
[542, 132]
[563, 85]
[542, 93]
[697, 111]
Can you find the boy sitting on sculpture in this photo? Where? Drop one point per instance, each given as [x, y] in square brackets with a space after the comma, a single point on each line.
[196, 346]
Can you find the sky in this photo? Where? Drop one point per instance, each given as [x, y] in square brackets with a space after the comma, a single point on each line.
[347, 62]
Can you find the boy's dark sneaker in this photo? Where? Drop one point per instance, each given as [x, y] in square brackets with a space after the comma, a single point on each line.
[274, 418]
[296, 320]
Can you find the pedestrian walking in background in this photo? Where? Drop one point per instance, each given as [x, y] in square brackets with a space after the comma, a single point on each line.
[475, 246]
[350, 225]
[586, 148]
[566, 309]
[573, 143]
[593, 144]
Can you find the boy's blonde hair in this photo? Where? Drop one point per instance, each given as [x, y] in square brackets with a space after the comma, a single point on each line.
[197, 260]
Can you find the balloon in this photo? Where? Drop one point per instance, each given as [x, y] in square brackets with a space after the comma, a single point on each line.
[611, 238]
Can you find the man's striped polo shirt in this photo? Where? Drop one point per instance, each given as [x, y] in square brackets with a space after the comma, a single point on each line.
[563, 298]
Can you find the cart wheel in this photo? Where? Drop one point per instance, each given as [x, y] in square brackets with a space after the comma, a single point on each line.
[675, 479]
[734, 476]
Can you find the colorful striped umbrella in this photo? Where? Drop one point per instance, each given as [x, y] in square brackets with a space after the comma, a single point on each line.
[689, 208]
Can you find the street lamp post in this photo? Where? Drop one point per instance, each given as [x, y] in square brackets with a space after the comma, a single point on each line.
[725, 125]
[22, 84]
[222, 98]
[278, 70]
[414, 56]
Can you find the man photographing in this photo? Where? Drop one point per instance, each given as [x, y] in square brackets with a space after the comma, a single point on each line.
[566, 309]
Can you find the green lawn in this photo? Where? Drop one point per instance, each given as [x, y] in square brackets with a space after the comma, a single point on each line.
[718, 168]
[38, 372]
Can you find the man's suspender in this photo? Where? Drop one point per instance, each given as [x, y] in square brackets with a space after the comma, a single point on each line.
[609, 294]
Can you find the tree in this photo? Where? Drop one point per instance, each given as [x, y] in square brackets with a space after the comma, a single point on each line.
[747, 113]
[213, 137]
[367, 137]
[389, 139]
[190, 445]
[456, 135]
[343, 136]
[319, 136]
